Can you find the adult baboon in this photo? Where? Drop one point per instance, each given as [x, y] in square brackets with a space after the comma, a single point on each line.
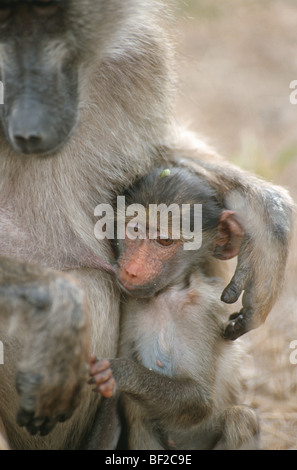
[87, 109]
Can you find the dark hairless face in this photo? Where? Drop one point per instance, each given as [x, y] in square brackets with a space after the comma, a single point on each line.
[40, 82]
[43, 51]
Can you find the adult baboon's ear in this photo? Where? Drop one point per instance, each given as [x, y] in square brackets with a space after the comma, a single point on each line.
[229, 236]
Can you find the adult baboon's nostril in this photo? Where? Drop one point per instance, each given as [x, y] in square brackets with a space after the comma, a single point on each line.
[29, 128]
[28, 143]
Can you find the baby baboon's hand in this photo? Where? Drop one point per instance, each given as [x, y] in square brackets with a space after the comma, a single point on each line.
[101, 376]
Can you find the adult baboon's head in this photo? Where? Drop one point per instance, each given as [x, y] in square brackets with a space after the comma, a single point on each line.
[46, 50]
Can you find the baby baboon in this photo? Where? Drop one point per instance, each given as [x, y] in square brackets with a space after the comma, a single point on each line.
[177, 376]
[88, 92]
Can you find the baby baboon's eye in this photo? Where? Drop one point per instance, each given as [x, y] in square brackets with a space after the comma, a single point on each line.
[165, 241]
[134, 231]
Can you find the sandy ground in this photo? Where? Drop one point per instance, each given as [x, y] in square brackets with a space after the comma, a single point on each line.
[237, 59]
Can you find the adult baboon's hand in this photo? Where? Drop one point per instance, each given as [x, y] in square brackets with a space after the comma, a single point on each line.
[262, 259]
[265, 212]
[53, 368]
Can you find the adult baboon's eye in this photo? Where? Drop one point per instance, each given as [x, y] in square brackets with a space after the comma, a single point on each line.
[5, 11]
[46, 7]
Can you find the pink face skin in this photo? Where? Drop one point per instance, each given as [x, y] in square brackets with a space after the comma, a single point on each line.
[142, 261]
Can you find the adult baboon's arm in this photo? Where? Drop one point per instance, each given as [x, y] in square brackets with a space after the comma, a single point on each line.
[266, 213]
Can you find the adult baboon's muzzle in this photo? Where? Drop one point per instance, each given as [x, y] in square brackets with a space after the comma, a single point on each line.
[40, 107]
[30, 130]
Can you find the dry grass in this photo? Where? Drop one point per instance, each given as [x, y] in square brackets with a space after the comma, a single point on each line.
[237, 59]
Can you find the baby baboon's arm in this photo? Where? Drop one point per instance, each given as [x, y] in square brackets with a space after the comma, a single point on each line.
[182, 401]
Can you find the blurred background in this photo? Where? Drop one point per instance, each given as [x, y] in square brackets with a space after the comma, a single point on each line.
[236, 60]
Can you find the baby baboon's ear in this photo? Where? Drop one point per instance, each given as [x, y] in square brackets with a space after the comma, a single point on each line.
[229, 236]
